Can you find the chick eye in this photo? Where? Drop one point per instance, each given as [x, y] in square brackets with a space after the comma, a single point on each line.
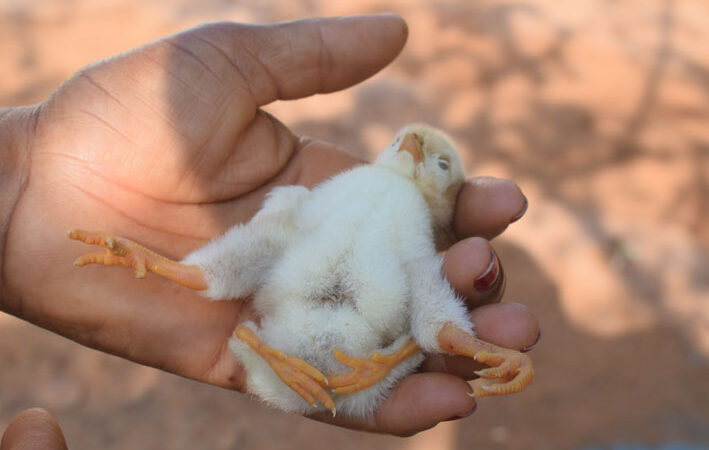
[443, 164]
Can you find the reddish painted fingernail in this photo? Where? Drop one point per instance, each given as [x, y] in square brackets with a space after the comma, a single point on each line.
[488, 279]
[464, 415]
[521, 213]
[531, 347]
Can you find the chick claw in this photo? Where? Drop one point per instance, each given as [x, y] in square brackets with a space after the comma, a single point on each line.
[510, 371]
[366, 372]
[124, 252]
[304, 379]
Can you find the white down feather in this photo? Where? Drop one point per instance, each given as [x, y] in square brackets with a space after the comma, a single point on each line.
[350, 264]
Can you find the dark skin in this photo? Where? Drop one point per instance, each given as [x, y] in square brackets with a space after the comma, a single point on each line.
[167, 145]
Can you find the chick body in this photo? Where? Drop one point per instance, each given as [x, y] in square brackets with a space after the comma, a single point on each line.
[351, 264]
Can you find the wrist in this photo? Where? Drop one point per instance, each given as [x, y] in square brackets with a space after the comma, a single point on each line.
[16, 132]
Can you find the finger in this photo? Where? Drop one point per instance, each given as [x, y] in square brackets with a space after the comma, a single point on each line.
[33, 428]
[475, 272]
[508, 325]
[486, 206]
[417, 403]
[305, 57]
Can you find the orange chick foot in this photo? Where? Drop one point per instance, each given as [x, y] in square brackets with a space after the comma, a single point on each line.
[366, 372]
[120, 251]
[510, 371]
[304, 379]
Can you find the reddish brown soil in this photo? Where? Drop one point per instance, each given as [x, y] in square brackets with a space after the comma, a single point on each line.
[598, 109]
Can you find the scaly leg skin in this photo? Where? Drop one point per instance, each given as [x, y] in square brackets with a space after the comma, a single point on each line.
[366, 372]
[124, 252]
[510, 371]
[304, 379]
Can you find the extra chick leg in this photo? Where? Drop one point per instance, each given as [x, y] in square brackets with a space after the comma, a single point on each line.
[304, 379]
[510, 371]
[366, 372]
[123, 252]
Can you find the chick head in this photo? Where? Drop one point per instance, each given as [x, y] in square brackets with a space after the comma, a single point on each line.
[427, 157]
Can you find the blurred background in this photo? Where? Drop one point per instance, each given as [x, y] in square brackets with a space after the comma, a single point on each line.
[599, 109]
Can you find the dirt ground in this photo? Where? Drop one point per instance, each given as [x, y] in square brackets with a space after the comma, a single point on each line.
[598, 109]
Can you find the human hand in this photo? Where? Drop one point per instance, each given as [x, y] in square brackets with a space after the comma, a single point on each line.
[167, 145]
[33, 428]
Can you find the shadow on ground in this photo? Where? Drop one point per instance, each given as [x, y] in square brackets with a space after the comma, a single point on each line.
[599, 111]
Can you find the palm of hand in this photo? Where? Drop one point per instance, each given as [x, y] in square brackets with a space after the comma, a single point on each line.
[167, 145]
[170, 170]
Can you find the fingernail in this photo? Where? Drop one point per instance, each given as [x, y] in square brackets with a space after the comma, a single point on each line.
[531, 347]
[487, 280]
[521, 213]
[464, 415]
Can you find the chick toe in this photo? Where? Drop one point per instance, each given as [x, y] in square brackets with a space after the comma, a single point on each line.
[510, 371]
[304, 379]
[366, 372]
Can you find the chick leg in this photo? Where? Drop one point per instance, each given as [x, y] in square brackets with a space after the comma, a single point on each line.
[366, 372]
[123, 252]
[304, 379]
[510, 371]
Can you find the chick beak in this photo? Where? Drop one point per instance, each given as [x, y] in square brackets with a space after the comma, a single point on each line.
[412, 144]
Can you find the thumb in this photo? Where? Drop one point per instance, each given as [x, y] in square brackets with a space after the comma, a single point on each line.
[33, 429]
[304, 57]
